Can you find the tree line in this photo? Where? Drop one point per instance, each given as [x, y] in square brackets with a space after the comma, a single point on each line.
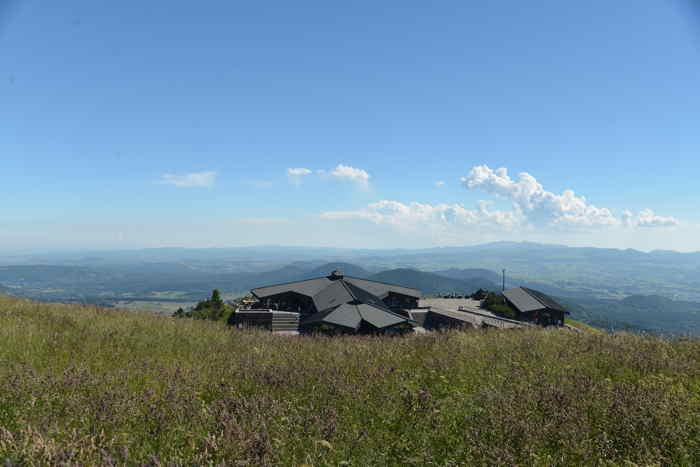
[212, 309]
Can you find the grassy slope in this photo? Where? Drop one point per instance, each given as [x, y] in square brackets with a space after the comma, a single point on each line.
[90, 386]
[582, 326]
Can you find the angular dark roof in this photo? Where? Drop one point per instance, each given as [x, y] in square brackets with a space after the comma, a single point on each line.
[361, 295]
[522, 300]
[382, 289]
[345, 315]
[526, 300]
[308, 287]
[345, 301]
[311, 287]
[334, 294]
[351, 316]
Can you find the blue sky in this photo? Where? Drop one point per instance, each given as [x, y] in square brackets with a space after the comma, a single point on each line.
[141, 124]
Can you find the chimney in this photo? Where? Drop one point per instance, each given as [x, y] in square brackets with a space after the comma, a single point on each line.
[335, 275]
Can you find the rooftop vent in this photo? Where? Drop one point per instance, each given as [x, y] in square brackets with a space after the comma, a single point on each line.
[335, 275]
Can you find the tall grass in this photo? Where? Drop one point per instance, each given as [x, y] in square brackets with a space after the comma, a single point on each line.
[89, 386]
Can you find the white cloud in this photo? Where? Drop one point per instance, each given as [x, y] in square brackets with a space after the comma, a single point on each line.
[437, 218]
[542, 207]
[341, 172]
[539, 206]
[440, 183]
[532, 207]
[297, 174]
[352, 174]
[299, 171]
[196, 179]
[647, 218]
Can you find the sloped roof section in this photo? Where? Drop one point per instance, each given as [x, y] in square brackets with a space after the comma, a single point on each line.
[351, 316]
[379, 317]
[332, 295]
[522, 300]
[546, 300]
[308, 287]
[381, 289]
[526, 300]
[362, 296]
[312, 287]
[346, 316]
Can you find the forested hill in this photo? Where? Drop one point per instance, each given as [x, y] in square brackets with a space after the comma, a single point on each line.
[432, 284]
[470, 274]
[347, 269]
[648, 313]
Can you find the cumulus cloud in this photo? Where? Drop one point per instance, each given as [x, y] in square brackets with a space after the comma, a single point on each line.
[647, 218]
[352, 174]
[440, 217]
[297, 174]
[540, 206]
[440, 182]
[191, 180]
[532, 207]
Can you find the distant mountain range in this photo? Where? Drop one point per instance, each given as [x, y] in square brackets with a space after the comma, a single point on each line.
[428, 283]
[657, 291]
[433, 284]
[346, 268]
[147, 280]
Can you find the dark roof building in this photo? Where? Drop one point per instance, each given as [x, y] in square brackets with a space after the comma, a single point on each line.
[535, 306]
[340, 303]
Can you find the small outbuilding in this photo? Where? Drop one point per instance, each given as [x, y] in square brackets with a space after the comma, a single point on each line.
[535, 307]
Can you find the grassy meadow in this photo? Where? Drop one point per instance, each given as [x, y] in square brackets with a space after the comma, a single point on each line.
[82, 385]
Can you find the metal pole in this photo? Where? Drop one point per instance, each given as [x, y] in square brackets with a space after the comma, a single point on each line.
[504, 281]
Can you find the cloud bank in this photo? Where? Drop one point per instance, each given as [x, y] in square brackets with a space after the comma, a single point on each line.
[533, 208]
[538, 205]
[191, 180]
[647, 218]
[544, 208]
[415, 216]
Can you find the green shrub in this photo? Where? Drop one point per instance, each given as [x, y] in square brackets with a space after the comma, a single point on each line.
[497, 303]
[212, 309]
